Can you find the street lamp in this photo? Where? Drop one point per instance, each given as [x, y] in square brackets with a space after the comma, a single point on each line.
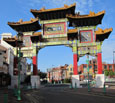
[87, 61]
[19, 44]
[94, 69]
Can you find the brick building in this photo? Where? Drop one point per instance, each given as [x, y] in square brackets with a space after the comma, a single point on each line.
[63, 72]
[93, 67]
[57, 74]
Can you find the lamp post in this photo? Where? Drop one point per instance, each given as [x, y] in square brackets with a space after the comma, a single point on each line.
[94, 69]
[20, 40]
[87, 61]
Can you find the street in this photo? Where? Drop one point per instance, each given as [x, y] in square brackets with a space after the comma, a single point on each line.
[64, 95]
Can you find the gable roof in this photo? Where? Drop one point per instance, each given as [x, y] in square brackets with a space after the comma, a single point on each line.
[56, 13]
[25, 26]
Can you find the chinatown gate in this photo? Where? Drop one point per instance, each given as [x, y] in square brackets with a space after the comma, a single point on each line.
[54, 24]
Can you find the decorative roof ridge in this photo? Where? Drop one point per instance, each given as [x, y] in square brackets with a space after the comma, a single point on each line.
[20, 22]
[36, 34]
[71, 30]
[91, 14]
[10, 39]
[15, 37]
[101, 31]
[54, 9]
[96, 14]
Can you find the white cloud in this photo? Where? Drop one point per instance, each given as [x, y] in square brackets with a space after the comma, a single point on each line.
[90, 2]
[81, 5]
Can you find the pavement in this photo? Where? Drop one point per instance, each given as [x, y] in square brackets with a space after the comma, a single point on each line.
[49, 94]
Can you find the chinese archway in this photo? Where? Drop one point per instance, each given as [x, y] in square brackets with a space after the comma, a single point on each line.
[54, 24]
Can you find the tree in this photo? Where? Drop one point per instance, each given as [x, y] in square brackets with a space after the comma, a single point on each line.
[42, 75]
[66, 80]
[106, 72]
[111, 73]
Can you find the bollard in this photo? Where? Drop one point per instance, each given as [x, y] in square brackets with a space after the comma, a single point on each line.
[15, 91]
[5, 98]
[18, 95]
[71, 86]
[88, 86]
[104, 89]
[75, 86]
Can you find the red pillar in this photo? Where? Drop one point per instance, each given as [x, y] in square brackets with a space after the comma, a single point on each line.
[99, 63]
[75, 67]
[35, 72]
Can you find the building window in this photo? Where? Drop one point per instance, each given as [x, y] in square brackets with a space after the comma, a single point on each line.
[96, 67]
[90, 67]
[71, 69]
[67, 69]
[105, 66]
[84, 66]
[110, 66]
[94, 62]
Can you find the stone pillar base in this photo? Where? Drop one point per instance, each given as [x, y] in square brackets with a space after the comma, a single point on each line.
[100, 79]
[14, 82]
[35, 81]
[75, 81]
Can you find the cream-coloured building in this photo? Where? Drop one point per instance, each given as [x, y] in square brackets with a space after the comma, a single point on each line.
[3, 60]
[69, 71]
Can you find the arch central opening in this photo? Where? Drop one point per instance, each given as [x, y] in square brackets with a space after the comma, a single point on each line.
[54, 56]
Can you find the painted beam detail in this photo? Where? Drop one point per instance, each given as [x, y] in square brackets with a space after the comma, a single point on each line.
[88, 44]
[53, 43]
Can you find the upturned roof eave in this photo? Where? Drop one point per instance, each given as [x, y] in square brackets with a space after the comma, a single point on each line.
[51, 10]
[86, 16]
[23, 23]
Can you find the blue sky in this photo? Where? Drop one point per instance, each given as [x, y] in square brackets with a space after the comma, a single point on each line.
[13, 10]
